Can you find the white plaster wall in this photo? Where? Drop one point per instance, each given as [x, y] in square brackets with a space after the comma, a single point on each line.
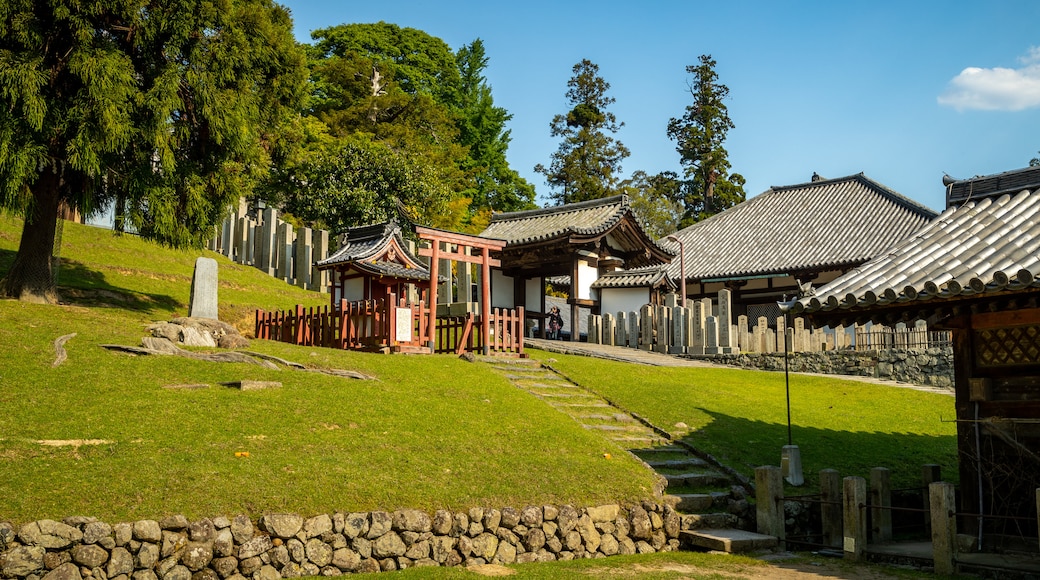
[614, 300]
[534, 291]
[586, 276]
[354, 289]
[501, 290]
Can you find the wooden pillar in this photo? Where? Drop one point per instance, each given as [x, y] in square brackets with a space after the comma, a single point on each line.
[930, 473]
[830, 509]
[944, 527]
[769, 496]
[485, 297]
[881, 502]
[434, 262]
[855, 535]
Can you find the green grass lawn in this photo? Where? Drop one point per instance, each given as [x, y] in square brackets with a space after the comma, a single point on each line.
[740, 416]
[429, 432]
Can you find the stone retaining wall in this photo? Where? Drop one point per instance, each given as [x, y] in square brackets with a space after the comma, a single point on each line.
[919, 366]
[288, 545]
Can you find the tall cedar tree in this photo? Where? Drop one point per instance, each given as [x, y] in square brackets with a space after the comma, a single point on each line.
[482, 128]
[708, 187]
[588, 161]
[164, 107]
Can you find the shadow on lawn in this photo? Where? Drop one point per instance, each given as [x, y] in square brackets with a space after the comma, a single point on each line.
[745, 444]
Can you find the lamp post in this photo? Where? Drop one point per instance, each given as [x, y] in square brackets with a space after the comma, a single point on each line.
[790, 456]
[682, 267]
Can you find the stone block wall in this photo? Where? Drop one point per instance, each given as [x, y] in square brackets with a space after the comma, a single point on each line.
[919, 366]
[289, 545]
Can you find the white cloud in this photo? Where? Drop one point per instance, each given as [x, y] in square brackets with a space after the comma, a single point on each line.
[996, 89]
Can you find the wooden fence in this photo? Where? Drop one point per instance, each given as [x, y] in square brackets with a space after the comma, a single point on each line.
[391, 325]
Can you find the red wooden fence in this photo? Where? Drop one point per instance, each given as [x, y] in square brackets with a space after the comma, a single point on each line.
[391, 324]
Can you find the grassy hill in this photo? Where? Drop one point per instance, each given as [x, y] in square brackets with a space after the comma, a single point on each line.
[428, 432]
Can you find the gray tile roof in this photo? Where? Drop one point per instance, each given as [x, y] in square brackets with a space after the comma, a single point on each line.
[982, 248]
[821, 225]
[638, 278]
[365, 246]
[996, 185]
[587, 218]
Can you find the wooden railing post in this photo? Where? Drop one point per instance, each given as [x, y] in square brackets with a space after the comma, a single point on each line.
[830, 509]
[881, 502]
[930, 473]
[769, 495]
[855, 497]
[944, 527]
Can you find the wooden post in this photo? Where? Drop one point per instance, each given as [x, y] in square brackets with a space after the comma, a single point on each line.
[855, 534]
[485, 297]
[881, 502]
[1038, 508]
[930, 473]
[769, 496]
[944, 527]
[830, 509]
[434, 262]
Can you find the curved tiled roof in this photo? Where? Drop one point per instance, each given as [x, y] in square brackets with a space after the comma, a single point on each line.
[821, 225]
[587, 218]
[364, 247]
[983, 247]
[636, 278]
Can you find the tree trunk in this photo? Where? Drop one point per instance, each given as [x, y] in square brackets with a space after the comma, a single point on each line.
[31, 277]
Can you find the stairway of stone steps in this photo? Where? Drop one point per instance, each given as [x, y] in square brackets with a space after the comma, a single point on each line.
[706, 498]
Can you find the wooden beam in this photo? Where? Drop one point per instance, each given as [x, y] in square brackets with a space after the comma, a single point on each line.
[460, 257]
[431, 234]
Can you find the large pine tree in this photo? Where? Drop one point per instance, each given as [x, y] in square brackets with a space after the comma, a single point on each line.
[587, 164]
[163, 107]
[708, 187]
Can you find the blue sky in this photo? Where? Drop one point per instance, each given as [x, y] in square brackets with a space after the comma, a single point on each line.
[902, 91]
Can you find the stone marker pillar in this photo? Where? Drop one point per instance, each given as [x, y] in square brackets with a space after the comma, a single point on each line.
[265, 243]
[881, 499]
[320, 251]
[203, 301]
[679, 323]
[769, 504]
[700, 314]
[595, 329]
[608, 336]
[621, 332]
[743, 334]
[781, 331]
[227, 230]
[725, 323]
[283, 265]
[944, 527]
[243, 241]
[663, 328]
[646, 327]
[855, 534]
[302, 259]
[633, 329]
[711, 331]
[791, 465]
[830, 509]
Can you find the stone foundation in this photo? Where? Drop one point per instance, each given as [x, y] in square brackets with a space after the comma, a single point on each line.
[289, 545]
[924, 366]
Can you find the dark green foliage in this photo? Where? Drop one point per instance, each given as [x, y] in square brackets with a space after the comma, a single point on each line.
[588, 161]
[708, 186]
[482, 128]
[164, 107]
[363, 181]
[653, 199]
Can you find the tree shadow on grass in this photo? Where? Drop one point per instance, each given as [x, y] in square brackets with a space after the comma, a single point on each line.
[82, 286]
[744, 444]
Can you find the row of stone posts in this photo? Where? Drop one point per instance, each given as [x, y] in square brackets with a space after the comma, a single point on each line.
[274, 246]
[704, 327]
[844, 505]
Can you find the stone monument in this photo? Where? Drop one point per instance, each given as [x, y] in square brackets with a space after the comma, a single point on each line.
[203, 301]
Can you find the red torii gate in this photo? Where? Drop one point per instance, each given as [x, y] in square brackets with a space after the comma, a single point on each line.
[485, 245]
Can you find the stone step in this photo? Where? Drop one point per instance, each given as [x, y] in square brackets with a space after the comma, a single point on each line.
[641, 441]
[588, 405]
[617, 428]
[686, 463]
[560, 385]
[691, 502]
[661, 449]
[709, 521]
[564, 395]
[618, 417]
[699, 479]
[731, 541]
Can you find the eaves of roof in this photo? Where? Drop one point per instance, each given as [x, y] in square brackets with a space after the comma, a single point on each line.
[823, 225]
[981, 249]
[652, 277]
